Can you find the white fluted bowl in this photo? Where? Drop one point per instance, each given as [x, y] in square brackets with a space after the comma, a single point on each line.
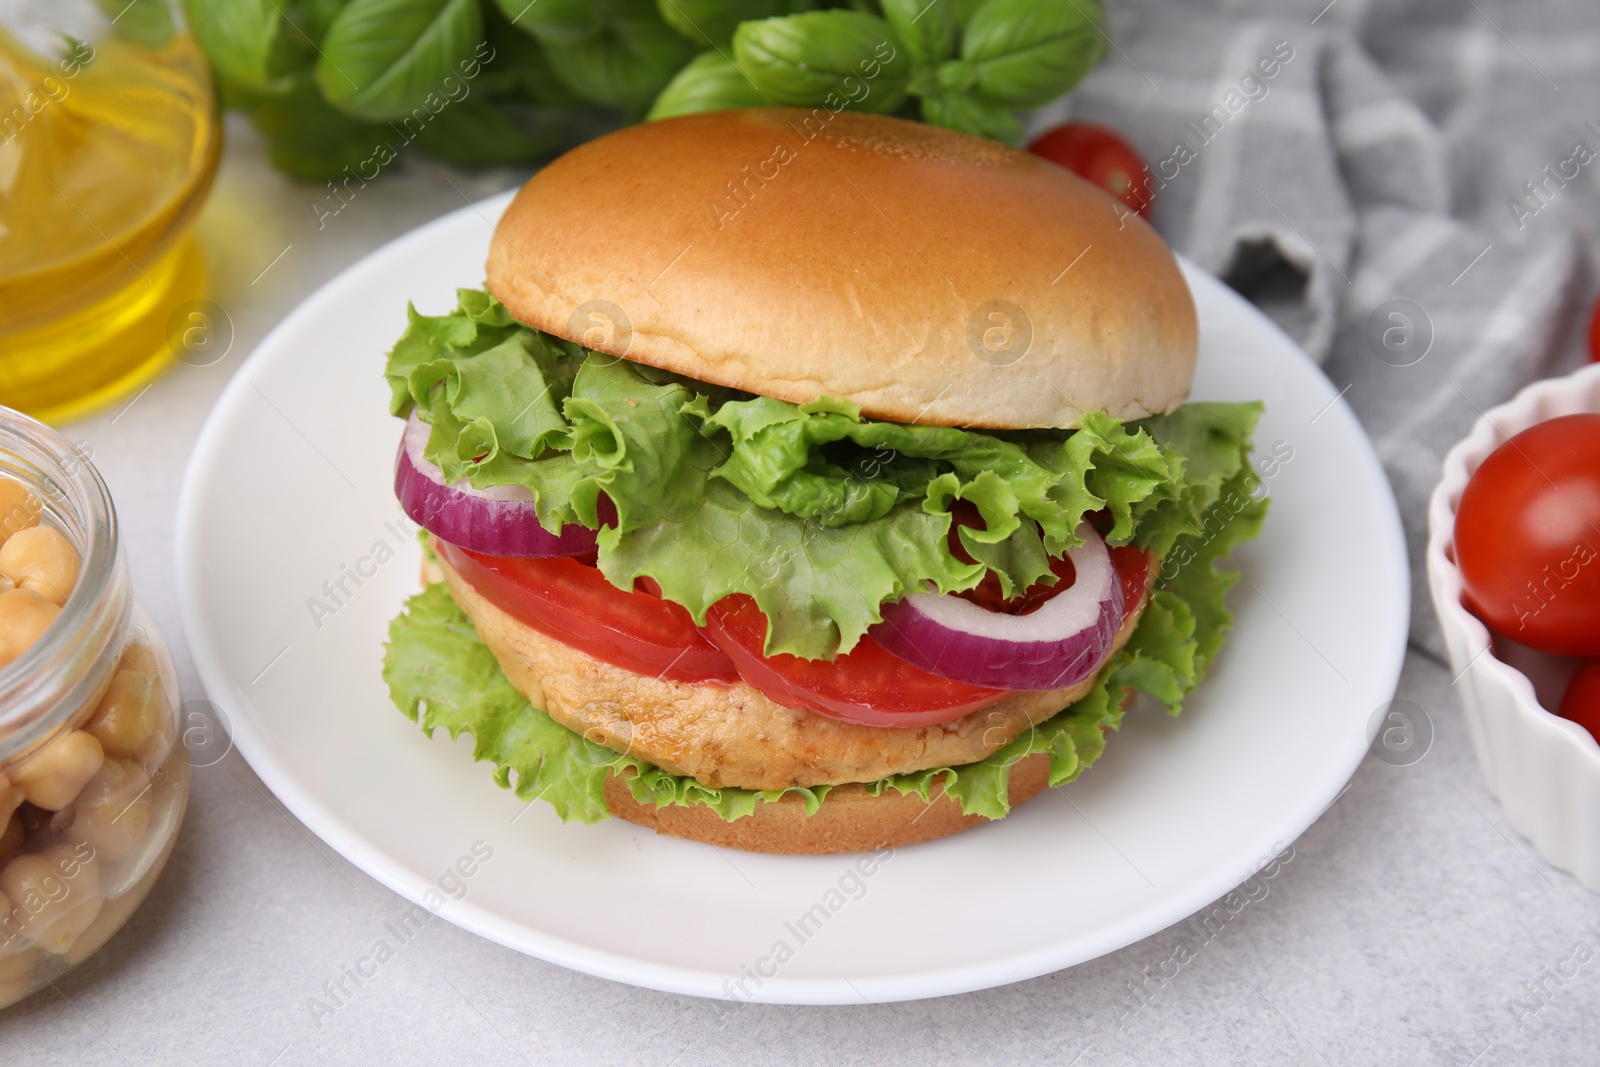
[1544, 770]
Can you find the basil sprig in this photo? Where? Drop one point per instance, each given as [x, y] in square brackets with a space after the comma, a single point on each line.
[969, 64]
[618, 53]
[380, 57]
[1024, 53]
[340, 88]
[822, 56]
[929, 31]
[710, 23]
[557, 21]
[711, 82]
[247, 42]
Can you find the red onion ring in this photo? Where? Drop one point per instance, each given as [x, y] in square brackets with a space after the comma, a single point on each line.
[497, 522]
[1063, 642]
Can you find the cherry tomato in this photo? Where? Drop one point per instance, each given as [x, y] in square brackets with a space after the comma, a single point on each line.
[1099, 155]
[866, 685]
[1582, 702]
[1527, 537]
[1594, 333]
[573, 602]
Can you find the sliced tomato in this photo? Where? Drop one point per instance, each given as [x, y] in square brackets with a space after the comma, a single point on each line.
[865, 685]
[570, 600]
[1133, 566]
[868, 685]
[574, 603]
[986, 594]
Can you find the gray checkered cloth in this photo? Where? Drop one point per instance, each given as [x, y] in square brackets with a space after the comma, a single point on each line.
[1361, 171]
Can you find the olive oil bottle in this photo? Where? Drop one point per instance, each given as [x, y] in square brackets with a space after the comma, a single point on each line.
[108, 144]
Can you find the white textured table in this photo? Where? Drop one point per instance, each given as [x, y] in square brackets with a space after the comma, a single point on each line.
[1408, 926]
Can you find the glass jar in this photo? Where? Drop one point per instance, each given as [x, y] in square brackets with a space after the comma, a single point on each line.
[93, 779]
[109, 139]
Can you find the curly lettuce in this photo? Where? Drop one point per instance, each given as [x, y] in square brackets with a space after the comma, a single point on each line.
[818, 514]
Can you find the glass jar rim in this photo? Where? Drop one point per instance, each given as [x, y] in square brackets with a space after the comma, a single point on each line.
[37, 689]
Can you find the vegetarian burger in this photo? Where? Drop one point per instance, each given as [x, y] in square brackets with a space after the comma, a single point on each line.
[809, 482]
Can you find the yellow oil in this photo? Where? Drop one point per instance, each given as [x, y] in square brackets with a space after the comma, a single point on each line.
[107, 149]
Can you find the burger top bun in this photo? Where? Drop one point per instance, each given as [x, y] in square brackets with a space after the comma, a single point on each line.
[926, 275]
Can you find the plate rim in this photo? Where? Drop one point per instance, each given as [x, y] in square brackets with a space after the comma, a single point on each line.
[1159, 913]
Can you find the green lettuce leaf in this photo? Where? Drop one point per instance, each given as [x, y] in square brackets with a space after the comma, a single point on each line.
[1192, 571]
[440, 673]
[819, 515]
[1208, 445]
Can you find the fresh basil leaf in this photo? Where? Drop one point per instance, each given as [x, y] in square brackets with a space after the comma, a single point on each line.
[628, 62]
[308, 20]
[243, 39]
[475, 133]
[1028, 52]
[927, 28]
[320, 15]
[833, 58]
[962, 10]
[145, 22]
[555, 21]
[516, 67]
[960, 111]
[710, 82]
[305, 23]
[382, 58]
[308, 139]
[710, 23]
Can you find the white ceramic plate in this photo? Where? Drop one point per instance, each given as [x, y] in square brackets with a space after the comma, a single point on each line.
[290, 489]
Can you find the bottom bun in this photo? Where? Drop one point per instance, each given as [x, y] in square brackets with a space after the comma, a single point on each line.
[849, 819]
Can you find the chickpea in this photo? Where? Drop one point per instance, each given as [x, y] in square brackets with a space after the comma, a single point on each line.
[112, 918]
[24, 616]
[139, 659]
[55, 894]
[19, 508]
[112, 814]
[41, 559]
[11, 797]
[16, 970]
[16, 966]
[127, 713]
[57, 772]
[155, 755]
[11, 939]
[11, 838]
